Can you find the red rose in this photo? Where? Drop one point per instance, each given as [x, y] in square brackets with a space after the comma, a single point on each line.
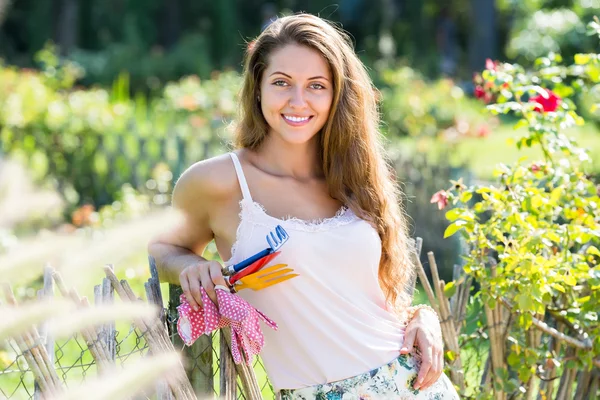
[441, 198]
[548, 103]
[479, 92]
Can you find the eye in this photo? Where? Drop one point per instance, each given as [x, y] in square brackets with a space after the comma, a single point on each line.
[317, 86]
[280, 82]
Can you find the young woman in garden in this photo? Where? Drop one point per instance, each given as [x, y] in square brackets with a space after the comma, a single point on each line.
[309, 158]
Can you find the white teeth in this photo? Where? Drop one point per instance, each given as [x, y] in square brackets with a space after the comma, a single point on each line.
[296, 119]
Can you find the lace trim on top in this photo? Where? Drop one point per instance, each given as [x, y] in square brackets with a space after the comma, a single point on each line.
[250, 209]
[342, 217]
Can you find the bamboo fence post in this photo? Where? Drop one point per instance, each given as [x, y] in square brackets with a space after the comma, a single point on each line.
[496, 337]
[95, 346]
[105, 332]
[31, 346]
[448, 329]
[245, 372]
[426, 286]
[108, 297]
[584, 380]
[46, 294]
[548, 384]
[155, 335]
[566, 384]
[227, 372]
[442, 307]
[154, 296]
[594, 386]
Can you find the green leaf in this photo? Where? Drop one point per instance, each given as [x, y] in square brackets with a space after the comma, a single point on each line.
[582, 58]
[569, 280]
[522, 123]
[593, 250]
[525, 301]
[466, 196]
[453, 214]
[450, 289]
[558, 287]
[454, 227]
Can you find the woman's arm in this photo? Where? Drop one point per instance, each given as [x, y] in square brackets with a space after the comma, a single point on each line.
[178, 251]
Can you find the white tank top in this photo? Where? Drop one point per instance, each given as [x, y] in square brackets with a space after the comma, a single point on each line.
[333, 321]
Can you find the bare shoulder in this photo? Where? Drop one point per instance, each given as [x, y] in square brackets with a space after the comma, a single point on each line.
[206, 182]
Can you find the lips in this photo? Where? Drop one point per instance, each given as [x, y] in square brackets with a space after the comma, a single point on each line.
[296, 120]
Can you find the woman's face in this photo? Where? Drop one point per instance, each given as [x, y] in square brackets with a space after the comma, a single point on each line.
[296, 92]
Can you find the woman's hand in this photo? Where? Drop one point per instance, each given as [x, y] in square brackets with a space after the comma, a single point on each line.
[206, 274]
[425, 332]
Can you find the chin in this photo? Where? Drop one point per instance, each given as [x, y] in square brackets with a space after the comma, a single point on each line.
[298, 138]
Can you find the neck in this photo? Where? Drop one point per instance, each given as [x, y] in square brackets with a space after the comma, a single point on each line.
[298, 161]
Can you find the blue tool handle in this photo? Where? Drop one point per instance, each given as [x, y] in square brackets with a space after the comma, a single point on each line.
[243, 264]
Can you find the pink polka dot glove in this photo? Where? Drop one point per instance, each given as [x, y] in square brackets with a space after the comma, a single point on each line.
[232, 311]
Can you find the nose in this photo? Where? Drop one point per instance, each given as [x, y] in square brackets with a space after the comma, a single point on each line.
[297, 99]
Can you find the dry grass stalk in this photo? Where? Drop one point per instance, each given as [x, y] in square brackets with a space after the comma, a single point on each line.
[129, 382]
[156, 337]
[31, 346]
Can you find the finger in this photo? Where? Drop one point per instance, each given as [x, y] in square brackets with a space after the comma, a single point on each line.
[433, 373]
[409, 340]
[425, 366]
[185, 287]
[194, 285]
[216, 274]
[208, 284]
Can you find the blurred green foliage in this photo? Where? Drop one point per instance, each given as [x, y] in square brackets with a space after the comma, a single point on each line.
[91, 142]
[416, 107]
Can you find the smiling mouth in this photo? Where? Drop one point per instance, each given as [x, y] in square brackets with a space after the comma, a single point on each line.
[296, 121]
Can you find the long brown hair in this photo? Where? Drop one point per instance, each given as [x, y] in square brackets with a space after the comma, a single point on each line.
[351, 150]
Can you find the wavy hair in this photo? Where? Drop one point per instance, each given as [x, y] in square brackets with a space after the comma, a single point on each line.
[351, 150]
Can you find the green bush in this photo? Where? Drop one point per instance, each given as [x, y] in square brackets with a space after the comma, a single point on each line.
[92, 142]
[534, 235]
[412, 106]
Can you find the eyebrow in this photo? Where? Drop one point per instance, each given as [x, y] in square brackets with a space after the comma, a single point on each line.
[310, 79]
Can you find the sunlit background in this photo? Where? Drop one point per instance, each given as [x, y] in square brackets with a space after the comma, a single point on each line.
[104, 103]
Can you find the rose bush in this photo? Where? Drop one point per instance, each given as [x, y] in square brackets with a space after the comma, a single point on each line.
[534, 235]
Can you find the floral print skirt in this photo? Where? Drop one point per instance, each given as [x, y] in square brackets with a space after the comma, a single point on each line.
[392, 381]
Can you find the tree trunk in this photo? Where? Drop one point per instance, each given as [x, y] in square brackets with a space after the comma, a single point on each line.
[170, 23]
[66, 25]
[482, 39]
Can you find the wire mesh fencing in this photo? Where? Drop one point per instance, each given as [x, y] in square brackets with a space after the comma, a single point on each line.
[207, 363]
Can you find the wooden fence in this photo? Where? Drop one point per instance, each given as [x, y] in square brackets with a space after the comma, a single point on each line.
[209, 369]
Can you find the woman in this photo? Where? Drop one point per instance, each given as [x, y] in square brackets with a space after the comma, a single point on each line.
[309, 158]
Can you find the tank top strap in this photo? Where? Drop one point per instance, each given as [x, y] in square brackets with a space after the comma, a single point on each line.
[240, 175]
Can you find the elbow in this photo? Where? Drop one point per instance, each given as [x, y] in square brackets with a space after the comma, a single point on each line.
[153, 247]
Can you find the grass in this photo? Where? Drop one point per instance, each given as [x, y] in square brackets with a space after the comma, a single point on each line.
[482, 155]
